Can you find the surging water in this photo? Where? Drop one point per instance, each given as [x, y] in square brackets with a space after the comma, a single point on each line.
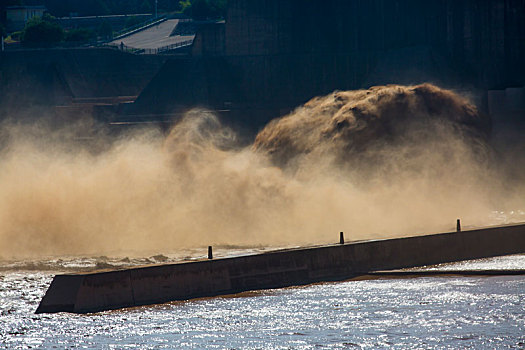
[340, 163]
[384, 162]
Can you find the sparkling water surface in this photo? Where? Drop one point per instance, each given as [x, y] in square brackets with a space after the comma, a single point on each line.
[422, 313]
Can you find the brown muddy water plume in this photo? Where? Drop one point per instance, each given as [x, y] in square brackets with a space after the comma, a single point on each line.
[375, 163]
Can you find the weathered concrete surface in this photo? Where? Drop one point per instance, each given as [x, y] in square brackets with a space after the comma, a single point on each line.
[92, 292]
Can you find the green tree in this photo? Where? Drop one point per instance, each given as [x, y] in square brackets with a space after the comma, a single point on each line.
[42, 31]
[79, 35]
[185, 6]
[204, 9]
[105, 30]
[132, 21]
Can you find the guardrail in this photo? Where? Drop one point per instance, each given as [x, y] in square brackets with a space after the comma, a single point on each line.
[167, 48]
[156, 51]
[137, 28]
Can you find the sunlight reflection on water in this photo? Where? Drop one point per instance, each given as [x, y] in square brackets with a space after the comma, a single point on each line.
[427, 312]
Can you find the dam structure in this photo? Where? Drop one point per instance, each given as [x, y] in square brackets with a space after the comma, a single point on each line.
[269, 56]
[113, 289]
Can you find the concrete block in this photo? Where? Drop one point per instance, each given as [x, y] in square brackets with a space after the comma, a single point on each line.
[91, 292]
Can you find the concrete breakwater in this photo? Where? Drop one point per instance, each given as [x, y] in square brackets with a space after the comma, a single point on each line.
[105, 290]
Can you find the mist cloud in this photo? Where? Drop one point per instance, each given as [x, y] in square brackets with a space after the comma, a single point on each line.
[384, 162]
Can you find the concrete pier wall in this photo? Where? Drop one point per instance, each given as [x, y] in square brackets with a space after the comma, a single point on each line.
[98, 291]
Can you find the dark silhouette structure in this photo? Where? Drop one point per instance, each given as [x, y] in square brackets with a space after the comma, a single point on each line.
[272, 55]
[71, 81]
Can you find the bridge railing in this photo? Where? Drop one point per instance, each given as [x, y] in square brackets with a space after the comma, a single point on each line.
[153, 51]
[138, 27]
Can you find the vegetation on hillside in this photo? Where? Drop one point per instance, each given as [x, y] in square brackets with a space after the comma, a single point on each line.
[63, 8]
[45, 31]
[42, 31]
[204, 9]
[79, 35]
[105, 30]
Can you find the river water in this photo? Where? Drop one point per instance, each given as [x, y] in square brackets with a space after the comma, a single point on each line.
[444, 312]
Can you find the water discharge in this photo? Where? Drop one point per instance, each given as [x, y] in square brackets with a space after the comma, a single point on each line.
[383, 162]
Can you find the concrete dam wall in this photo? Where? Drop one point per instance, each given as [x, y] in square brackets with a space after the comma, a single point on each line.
[98, 291]
[54, 77]
[258, 88]
[271, 55]
[485, 36]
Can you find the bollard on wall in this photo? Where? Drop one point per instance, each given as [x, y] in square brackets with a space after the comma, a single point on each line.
[458, 225]
[341, 238]
[210, 252]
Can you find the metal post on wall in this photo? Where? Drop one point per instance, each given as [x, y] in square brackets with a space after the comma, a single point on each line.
[2, 43]
[156, 3]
